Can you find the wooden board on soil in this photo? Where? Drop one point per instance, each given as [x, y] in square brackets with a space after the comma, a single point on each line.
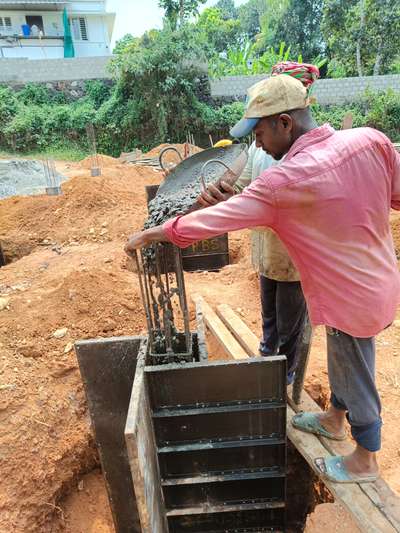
[374, 506]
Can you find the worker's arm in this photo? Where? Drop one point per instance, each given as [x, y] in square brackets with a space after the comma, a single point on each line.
[254, 207]
[144, 238]
[395, 200]
[212, 195]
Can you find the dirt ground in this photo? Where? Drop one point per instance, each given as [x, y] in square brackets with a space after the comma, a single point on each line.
[69, 279]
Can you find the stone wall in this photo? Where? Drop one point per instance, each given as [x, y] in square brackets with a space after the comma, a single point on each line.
[21, 71]
[327, 92]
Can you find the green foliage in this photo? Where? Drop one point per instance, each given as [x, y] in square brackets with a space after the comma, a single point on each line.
[28, 126]
[270, 19]
[217, 32]
[97, 91]
[219, 120]
[228, 9]
[155, 98]
[33, 93]
[336, 69]
[63, 151]
[123, 44]
[244, 60]
[363, 36]
[250, 15]
[8, 104]
[299, 27]
[376, 110]
[178, 12]
[383, 112]
[395, 66]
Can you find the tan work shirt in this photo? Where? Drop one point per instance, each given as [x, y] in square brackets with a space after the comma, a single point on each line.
[269, 255]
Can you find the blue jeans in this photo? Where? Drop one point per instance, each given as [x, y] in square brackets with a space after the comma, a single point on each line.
[351, 370]
[283, 311]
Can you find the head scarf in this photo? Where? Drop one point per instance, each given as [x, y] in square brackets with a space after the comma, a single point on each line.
[304, 72]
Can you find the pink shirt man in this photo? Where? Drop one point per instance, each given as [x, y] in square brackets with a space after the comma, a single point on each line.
[329, 202]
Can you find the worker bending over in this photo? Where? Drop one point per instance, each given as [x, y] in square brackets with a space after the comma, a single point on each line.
[329, 202]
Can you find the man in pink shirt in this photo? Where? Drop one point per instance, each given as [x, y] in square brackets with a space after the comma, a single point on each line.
[329, 202]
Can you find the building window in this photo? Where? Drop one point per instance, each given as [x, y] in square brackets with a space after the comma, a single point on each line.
[35, 22]
[79, 29]
[5, 24]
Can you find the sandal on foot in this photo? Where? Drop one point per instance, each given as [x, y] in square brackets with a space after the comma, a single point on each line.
[309, 422]
[334, 469]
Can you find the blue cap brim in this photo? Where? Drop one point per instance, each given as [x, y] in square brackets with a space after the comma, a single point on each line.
[243, 127]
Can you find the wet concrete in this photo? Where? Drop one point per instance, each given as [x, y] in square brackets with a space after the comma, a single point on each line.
[178, 194]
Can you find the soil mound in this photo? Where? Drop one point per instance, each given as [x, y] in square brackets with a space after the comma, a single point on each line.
[91, 209]
[104, 161]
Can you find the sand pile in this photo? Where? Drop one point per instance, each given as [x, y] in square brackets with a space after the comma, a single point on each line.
[91, 209]
[104, 161]
[171, 156]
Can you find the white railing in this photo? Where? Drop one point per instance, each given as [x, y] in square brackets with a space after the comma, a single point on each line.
[17, 30]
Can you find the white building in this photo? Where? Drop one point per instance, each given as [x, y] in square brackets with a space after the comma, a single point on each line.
[34, 29]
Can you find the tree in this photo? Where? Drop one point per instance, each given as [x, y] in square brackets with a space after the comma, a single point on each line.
[300, 28]
[250, 15]
[361, 34]
[269, 21]
[219, 34]
[155, 98]
[227, 8]
[122, 44]
[179, 11]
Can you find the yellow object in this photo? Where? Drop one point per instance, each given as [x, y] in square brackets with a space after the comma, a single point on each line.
[222, 143]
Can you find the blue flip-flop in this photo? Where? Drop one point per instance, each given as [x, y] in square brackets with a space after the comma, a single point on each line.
[309, 422]
[334, 469]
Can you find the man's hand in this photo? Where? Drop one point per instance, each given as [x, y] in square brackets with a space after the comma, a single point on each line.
[144, 238]
[213, 195]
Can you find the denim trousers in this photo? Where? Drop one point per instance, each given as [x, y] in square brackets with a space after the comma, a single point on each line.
[351, 371]
[283, 312]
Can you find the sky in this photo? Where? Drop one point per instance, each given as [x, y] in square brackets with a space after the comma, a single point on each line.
[137, 16]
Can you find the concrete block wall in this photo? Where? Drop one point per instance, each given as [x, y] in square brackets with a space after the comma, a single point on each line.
[327, 91]
[21, 71]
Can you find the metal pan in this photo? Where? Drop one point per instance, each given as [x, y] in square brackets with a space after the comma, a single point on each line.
[189, 170]
[178, 193]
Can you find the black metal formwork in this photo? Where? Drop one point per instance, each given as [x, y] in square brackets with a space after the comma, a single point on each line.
[220, 441]
[108, 368]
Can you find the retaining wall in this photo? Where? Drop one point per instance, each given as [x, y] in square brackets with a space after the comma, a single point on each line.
[327, 91]
[20, 71]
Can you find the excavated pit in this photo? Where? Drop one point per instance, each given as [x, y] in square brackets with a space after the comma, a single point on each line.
[84, 502]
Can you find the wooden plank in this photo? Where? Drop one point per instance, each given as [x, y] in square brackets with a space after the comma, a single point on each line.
[364, 501]
[142, 455]
[242, 333]
[379, 492]
[216, 326]
[367, 515]
[347, 122]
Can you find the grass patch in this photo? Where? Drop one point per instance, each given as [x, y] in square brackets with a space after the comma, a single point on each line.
[60, 153]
